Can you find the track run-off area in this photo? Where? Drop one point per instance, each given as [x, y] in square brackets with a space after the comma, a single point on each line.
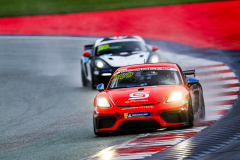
[47, 114]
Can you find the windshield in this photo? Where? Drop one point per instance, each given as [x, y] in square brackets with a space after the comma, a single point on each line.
[149, 77]
[119, 47]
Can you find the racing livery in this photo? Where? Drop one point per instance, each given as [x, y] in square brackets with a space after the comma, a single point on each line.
[148, 96]
[101, 59]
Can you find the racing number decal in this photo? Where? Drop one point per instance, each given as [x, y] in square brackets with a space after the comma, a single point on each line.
[139, 95]
[103, 47]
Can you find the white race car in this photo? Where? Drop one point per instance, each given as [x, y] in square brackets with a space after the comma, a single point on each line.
[101, 59]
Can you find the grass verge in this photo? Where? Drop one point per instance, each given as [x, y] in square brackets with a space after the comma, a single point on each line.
[33, 7]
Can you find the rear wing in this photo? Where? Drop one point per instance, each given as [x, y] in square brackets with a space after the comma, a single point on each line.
[189, 72]
[88, 47]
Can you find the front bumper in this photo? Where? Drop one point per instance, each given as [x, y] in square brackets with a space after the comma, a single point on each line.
[162, 116]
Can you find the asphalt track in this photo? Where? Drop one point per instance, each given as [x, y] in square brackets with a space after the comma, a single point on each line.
[46, 114]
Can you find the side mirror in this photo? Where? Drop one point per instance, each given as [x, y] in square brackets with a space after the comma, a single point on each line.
[100, 87]
[154, 48]
[193, 80]
[86, 54]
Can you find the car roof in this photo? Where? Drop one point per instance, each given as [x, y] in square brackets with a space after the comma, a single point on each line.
[149, 65]
[107, 40]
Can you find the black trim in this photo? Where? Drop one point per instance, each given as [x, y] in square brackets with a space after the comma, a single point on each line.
[88, 47]
[109, 38]
[189, 72]
[174, 116]
[105, 121]
[139, 125]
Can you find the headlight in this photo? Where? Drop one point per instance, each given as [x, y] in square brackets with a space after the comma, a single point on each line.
[101, 64]
[154, 59]
[175, 96]
[103, 102]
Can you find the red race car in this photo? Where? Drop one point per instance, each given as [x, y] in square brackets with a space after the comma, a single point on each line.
[148, 96]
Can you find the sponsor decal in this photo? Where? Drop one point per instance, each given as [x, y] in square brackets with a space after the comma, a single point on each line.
[141, 69]
[103, 47]
[144, 100]
[137, 114]
[137, 107]
[139, 95]
[121, 90]
[122, 76]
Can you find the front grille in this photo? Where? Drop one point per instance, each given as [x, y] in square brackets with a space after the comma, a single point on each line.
[173, 116]
[139, 124]
[105, 121]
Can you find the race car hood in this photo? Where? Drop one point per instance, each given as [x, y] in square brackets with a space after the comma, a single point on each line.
[124, 60]
[140, 95]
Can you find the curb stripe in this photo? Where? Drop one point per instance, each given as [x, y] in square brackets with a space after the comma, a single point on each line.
[208, 66]
[222, 94]
[226, 102]
[219, 79]
[215, 72]
[205, 123]
[163, 137]
[222, 86]
[219, 112]
[142, 149]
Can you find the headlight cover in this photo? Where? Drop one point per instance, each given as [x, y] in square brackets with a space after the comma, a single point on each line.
[103, 102]
[101, 64]
[154, 59]
[175, 96]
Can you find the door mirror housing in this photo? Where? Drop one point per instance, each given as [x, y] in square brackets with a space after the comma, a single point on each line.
[154, 48]
[86, 54]
[192, 81]
[100, 87]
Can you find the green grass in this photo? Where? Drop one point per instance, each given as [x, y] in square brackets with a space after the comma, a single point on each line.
[37, 7]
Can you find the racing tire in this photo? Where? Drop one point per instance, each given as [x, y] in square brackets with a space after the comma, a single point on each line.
[84, 81]
[190, 113]
[202, 114]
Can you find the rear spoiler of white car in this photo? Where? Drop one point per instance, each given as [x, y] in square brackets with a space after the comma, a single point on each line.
[189, 72]
[88, 47]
